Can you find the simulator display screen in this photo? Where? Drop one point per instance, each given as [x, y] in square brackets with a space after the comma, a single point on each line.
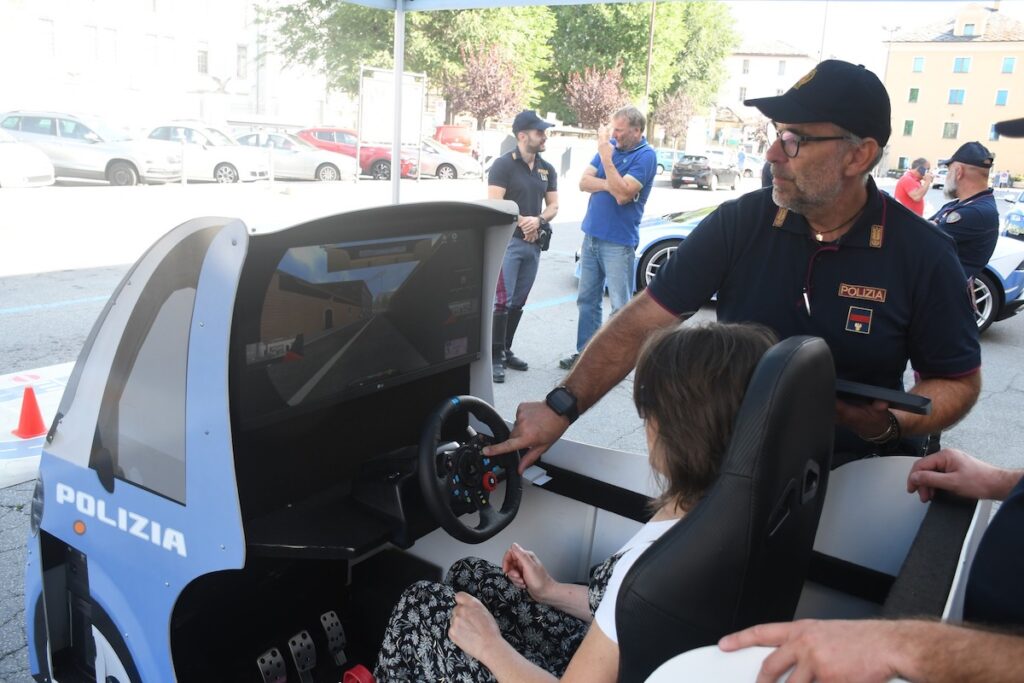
[340, 320]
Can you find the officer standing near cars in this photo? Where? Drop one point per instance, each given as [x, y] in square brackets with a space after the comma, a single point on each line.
[971, 219]
[821, 253]
[531, 182]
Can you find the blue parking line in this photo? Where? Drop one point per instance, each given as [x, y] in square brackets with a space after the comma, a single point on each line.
[53, 304]
[548, 303]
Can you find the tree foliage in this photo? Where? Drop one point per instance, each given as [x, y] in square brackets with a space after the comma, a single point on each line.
[674, 114]
[336, 37]
[488, 86]
[594, 94]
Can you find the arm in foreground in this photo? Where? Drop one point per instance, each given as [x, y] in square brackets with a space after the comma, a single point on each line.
[957, 472]
[874, 651]
[605, 361]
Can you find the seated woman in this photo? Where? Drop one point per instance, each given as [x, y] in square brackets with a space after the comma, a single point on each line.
[515, 622]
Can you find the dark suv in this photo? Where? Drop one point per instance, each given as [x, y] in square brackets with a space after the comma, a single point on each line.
[704, 171]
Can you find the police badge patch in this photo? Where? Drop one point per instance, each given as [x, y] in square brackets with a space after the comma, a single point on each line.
[859, 320]
[952, 217]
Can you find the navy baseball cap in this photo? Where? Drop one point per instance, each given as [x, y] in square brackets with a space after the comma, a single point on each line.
[838, 92]
[528, 120]
[972, 154]
[1013, 128]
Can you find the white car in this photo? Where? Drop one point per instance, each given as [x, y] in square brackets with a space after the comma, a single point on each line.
[209, 153]
[939, 179]
[23, 165]
[295, 159]
[438, 160]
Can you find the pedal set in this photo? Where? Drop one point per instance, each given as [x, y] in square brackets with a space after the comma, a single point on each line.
[271, 666]
[335, 637]
[303, 655]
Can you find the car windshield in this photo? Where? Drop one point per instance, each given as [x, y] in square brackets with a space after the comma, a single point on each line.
[688, 159]
[693, 216]
[217, 138]
[299, 142]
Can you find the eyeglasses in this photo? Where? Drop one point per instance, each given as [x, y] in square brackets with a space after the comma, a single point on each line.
[791, 141]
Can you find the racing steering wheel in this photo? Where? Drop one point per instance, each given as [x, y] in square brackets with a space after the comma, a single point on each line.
[459, 478]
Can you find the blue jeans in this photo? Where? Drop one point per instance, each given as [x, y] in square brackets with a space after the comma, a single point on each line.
[602, 263]
[518, 272]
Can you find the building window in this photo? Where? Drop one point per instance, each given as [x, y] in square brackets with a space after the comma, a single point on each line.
[778, 91]
[743, 94]
[1001, 96]
[992, 134]
[203, 62]
[961, 65]
[903, 163]
[968, 29]
[242, 62]
[908, 128]
[914, 92]
[782, 67]
[918, 64]
[746, 66]
[956, 96]
[950, 130]
[1009, 63]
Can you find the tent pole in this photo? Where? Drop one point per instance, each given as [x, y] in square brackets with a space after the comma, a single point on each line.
[396, 140]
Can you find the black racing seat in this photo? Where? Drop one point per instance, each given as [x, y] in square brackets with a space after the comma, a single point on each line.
[740, 556]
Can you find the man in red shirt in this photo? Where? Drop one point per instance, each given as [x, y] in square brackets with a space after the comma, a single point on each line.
[912, 187]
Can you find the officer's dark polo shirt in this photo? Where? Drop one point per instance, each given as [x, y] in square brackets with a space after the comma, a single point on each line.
[524, 186]
[995, 588]
[888, 290]
[974, 225]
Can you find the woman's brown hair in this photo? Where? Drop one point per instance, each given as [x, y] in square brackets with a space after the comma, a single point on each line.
[691, 381]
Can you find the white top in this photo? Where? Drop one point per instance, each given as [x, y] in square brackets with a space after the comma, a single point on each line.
[631, 552]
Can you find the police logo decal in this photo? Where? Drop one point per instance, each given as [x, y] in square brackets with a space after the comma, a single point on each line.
[952, 217]
[543, 173]
[859, 320]
[803, 81]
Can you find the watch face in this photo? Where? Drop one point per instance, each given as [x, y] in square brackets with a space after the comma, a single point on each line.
[561, 401]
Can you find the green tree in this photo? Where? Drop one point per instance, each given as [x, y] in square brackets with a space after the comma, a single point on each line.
[691, 40]
[488, 86]
[336, 37]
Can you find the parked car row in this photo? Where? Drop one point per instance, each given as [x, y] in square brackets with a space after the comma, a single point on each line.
[708, 171]
[82, 148]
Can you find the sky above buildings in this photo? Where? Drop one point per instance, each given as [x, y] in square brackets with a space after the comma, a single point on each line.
[854, 30]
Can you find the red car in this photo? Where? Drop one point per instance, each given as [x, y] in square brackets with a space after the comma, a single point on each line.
[374, 159]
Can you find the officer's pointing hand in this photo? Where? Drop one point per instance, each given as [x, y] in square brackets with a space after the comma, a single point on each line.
[536, 428]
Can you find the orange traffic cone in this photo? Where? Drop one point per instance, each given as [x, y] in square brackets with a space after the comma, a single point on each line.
[31, 423]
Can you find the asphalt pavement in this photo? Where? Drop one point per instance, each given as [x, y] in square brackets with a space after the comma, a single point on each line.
[73, 245]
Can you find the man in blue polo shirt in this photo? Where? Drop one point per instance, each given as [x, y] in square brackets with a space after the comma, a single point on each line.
[619, 179]
[822, 252]
[971, 219]
[522, 176]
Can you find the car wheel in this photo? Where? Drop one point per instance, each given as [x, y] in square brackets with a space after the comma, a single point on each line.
[447, 172]
[747, 173]
[122, 173]
[676, 184]
[328, 173]
[735, 182]
[987, 300]
[225, 173]
[713, 183]
[654, 258]
[381, 170]
[661, 169]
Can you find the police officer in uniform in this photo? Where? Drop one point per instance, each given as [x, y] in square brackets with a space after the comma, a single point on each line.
[823, 253]
[531, 182]
[971, 219]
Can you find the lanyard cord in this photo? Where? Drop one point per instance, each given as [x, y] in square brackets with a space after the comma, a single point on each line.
[810, 273]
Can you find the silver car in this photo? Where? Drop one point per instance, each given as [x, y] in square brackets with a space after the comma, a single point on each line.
[296, 159]
[438, 160]
[83, 148]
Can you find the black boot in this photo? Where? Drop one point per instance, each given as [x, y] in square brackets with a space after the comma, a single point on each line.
[499, 323]
[511, 360]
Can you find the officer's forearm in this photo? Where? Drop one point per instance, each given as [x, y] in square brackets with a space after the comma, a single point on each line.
[951, 399]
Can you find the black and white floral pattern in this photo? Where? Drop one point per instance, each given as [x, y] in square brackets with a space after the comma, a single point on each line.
[416, 646]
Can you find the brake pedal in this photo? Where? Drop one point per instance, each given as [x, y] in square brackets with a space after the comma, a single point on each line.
[303, 655]
[335, 637]
[271, 666]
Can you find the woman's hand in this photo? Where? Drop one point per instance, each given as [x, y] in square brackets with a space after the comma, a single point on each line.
[473, 628]
[525, 570]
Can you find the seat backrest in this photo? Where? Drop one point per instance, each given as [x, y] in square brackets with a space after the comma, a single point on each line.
[739, 557]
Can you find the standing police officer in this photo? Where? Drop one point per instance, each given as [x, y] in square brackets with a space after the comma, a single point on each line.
[822, 253]
[531, 182]
[971, 219]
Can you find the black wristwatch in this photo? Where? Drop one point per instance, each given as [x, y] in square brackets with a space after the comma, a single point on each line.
[563, 403]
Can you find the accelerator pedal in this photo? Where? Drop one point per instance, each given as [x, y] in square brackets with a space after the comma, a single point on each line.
[303, 655]
[335, 637]
[271, 666]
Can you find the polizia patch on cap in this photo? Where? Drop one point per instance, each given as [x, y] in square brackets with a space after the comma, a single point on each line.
[805, 80]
